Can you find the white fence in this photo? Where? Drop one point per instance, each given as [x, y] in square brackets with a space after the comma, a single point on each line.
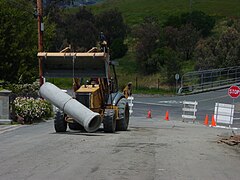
[223, 113]
[189, 110]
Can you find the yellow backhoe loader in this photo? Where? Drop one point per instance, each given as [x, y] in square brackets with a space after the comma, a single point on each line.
[101, 100]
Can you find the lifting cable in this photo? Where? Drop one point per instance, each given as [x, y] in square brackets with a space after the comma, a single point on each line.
[73, 71]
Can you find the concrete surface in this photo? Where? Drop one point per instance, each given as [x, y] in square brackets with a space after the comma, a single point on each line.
[151, 149]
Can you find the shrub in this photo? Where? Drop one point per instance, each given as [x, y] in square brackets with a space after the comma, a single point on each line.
[31, 109]
[24, 89]
[198, 19]
[118, 49]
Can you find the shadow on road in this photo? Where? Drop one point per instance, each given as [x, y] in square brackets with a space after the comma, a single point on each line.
[100, 132]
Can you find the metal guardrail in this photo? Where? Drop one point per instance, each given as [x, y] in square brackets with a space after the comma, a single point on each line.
[198, 81]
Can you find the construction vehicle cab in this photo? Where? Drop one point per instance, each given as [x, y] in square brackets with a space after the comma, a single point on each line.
[95, 86]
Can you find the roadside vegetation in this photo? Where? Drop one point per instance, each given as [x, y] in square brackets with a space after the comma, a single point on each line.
[134, 11]
[25, 104]
[150, 40]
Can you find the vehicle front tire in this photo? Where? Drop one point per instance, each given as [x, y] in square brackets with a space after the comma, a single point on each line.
[122, 123]
[60, 124]
[109, 121]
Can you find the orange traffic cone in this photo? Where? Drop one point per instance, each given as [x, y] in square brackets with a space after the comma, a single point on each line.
[149, 114]
[213, 121]
[167, 116]
[206, 120]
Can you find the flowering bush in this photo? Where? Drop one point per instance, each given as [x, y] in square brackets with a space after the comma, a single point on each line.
[31, 109]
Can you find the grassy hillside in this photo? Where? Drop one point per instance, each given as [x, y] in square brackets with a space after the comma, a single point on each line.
[135, 10]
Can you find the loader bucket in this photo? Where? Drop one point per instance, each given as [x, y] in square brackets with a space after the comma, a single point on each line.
[70, 65]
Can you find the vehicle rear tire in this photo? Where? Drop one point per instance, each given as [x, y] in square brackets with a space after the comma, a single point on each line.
[75, 126]
[60, 124]
[109, 121]
[122, 123]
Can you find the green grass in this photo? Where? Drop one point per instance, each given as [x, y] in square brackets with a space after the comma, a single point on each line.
[127, 64]
[63, 83]
[135, 10]
[187, 66]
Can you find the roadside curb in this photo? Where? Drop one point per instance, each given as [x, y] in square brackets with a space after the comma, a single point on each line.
[5, 121]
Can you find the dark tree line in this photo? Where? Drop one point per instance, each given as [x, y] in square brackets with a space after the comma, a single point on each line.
[164, 48]
[160, 46]
[194, 37]
[18, 42]
[221, 50]
[81, 30]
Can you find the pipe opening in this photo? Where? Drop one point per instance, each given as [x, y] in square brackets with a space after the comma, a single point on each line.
[94, 124]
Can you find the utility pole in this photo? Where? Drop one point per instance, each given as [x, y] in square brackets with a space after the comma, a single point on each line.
[40, 37]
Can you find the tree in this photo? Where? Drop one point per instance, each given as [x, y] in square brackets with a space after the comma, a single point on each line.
[205, 54]
[171, 65]
[147, 35]
[170, 35]
[228, 48]
[198, 19]
[166, 61]
[182, 40]
[18, 42]
[80, 31]
[187, 38]
[111, 23]
[118, 48]
[54, 22]
[218, 52]
[50, 35]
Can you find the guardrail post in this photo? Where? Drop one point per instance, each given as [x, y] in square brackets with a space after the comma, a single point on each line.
[209, 79]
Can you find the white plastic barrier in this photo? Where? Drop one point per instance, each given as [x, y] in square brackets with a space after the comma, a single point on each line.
[223, 113]
[130, 103]
[189, 110]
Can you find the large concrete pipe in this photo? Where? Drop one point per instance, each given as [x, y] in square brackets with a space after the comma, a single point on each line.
[90, 120]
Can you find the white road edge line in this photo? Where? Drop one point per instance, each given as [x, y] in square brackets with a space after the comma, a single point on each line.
[9, 129]
[155, 104]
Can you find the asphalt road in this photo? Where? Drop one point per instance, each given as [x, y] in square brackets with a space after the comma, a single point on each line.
[206, 103]
[150, 149]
